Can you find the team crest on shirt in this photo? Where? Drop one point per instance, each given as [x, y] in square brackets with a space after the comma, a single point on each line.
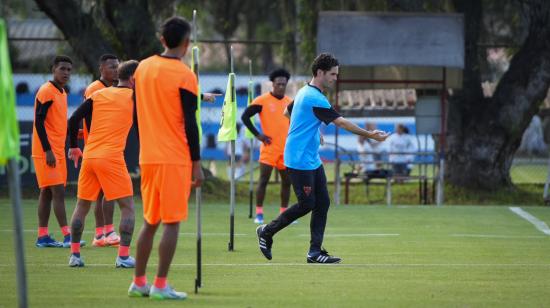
[307, 190]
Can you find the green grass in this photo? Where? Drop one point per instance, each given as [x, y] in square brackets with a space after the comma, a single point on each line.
[426, 259]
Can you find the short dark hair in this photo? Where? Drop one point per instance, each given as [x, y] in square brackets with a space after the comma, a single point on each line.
[175, 30]
[107, 56]
[324, 62]
[61, 58]
[280, 72]
[126, 69]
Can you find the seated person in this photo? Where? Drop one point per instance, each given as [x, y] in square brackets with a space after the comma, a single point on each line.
[401, 143]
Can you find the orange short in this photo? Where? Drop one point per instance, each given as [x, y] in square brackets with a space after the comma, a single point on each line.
[274, 159]
[109, 175]
[48, 176]
[165, 190]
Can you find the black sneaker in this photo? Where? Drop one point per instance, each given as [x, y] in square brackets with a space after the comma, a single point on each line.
[264, 242]
[324, 258]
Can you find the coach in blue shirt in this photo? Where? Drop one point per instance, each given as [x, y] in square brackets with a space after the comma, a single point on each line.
[309, 109]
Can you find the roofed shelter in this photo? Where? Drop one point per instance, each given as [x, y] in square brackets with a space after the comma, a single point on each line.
[393, 51]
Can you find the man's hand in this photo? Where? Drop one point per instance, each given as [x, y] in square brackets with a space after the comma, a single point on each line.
[210, 97]
[198, 176]
[50, 159]
[378, 135]
[74, 155]
[264, 139]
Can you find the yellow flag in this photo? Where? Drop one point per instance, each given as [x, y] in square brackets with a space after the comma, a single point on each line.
[228, 124]
[9, 129]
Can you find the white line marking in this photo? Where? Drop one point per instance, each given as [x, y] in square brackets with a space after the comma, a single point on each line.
[181, 233]
[497, 236]
[539, 224]
[306, 264]
[357, 234]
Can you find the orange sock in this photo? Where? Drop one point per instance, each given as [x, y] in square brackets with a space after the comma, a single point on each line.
[259, 209]
[98, 232]
[75, 248]
[140, 281]
[282, 209]
[65, 230]
[42, 231]
[108, 229]
[160, 282]
[123, 251]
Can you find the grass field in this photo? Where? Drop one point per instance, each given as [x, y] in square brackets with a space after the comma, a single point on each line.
[402, 256]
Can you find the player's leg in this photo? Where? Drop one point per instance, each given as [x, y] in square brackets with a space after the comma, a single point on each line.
[303, 185]
[175, 187]
[139, 286]
[44, 208]
[285, 189]
[58, 202]
[318, 222]
[126, 229]
[265, 174]
[77, 227]
[111, 237]
[99, 238]
[151, 220]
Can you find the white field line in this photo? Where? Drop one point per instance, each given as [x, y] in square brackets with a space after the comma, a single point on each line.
[539, 224]
[181, 233]
[496, 236]
[357, 234]
[356, 265]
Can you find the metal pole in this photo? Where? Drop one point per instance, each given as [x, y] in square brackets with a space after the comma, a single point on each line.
[232, 199]
[546, 185]
[198, 190]
[232, 183]
[251, 161]
[440, 182]
[15, 195]
[336, 157]
[198, 279]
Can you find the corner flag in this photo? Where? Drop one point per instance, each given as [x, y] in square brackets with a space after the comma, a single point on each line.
[228, 124]
[9, 129]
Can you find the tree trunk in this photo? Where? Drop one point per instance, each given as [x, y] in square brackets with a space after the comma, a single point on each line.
[127, 28]
[79, 29]
[484, 133]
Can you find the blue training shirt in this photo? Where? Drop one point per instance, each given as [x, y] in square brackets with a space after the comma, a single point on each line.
[309, 109]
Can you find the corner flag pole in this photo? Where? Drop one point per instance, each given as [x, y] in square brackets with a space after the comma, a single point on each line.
[9, 153]
[250, 161]
[198, 190]
[231, 245]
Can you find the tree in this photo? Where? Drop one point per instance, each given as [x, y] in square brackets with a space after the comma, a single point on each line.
[484, 133]
[126, 28]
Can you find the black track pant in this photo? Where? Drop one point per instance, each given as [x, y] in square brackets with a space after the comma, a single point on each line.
[310, 187]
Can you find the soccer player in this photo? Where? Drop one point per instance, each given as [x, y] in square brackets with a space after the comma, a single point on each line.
[48, 151]
[305, 169]
[166, 101]
[105, 234]
[271, 108]
[103, 167]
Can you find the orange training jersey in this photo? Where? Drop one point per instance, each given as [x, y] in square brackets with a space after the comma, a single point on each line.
[112, 118]
[56, 120]
[94, 86]
[274, 123]
[159, 110]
